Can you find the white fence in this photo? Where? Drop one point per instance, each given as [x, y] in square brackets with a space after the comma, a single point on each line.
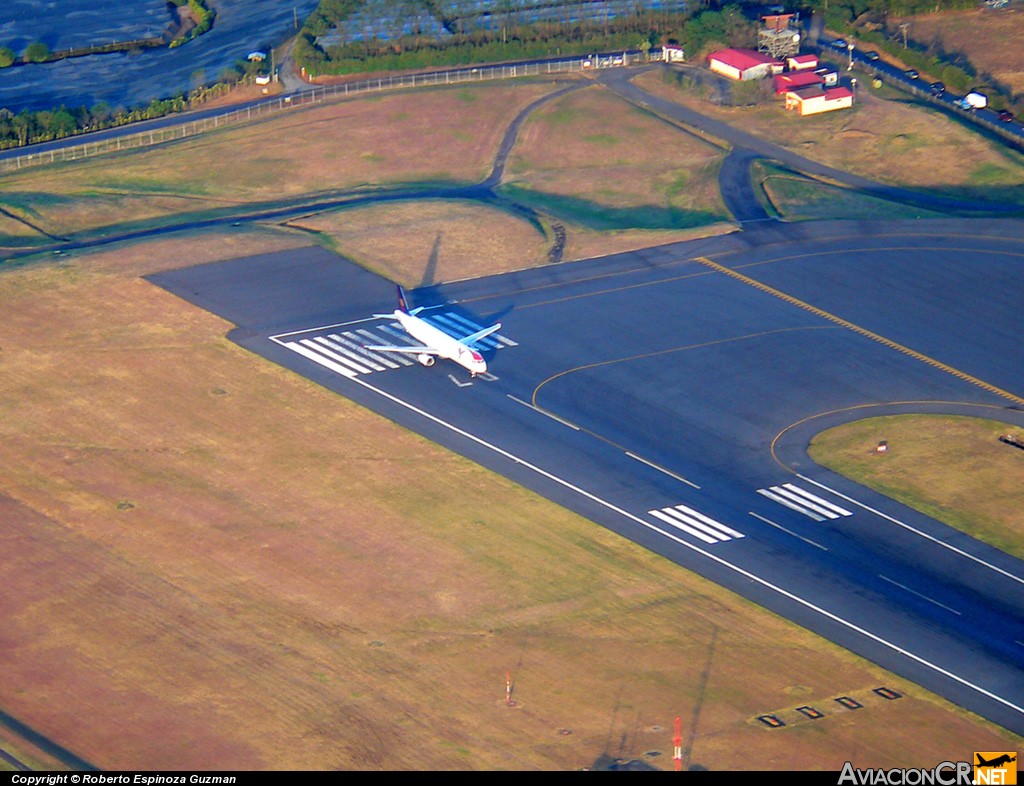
[183, 128]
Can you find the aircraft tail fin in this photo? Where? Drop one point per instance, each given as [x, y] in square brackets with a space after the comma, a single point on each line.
[403, 301]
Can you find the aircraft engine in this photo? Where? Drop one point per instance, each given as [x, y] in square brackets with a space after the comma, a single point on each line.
[425, 359]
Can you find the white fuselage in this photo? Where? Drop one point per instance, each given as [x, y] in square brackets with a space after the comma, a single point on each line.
[446, 346]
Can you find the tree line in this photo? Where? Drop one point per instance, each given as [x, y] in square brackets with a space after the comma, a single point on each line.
[199, 12]
[423, 33]
[704, 26]
[30, 127]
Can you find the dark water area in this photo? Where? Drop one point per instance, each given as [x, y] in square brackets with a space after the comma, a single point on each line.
[130, 80]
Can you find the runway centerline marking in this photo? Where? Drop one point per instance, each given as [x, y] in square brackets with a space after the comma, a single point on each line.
[905, 588]
[916, 531]
[540, 411]
[860, 330]
[788, 531]
[668, 472]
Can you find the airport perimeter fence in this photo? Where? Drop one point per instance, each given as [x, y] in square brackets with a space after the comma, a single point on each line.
[185, 128]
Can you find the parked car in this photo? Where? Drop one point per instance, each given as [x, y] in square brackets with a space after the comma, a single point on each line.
[839, 44]
[911, 73]
[871, 56]
[938, 88]
[1005, 115]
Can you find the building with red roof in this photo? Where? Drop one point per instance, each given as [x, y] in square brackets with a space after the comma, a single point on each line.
[800, 62]
[743, 64]
[794, 80]
[816, 99]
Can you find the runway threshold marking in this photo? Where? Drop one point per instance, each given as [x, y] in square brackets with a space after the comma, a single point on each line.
[860, 330]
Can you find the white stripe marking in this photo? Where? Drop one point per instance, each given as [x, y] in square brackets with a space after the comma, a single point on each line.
[905, 588]
[788, 532]
[697, 514]
[294, 347]
[796, 499]
[668, 472]
[573, 426]
[398, 336]
[783, 501]
[357, 357]
[354, 343]
[696, 523]
[438, 321]
[753, 577]
[925, 535]
[373, 338]
[334, 356]
[819, 500]
[685, 528]
[475, 327]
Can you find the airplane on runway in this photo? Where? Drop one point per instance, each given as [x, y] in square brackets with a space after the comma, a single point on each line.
[436, 343]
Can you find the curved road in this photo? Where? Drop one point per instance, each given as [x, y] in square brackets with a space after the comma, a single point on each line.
[750, 147]
[736, 186]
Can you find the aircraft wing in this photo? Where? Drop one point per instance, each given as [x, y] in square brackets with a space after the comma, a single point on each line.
[410, 350]
[480, 334]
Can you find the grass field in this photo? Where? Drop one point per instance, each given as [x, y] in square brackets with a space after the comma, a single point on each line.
[795, 197]
[214, 563]
[955, 469]
[991, 39]
[220, 565]
[885, 137]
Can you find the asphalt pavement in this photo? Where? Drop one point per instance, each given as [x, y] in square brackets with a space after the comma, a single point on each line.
[665, 393]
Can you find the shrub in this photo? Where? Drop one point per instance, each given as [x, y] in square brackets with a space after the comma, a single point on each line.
[37, 52]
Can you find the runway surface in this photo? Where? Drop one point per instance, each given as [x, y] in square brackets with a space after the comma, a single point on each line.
[669, 395]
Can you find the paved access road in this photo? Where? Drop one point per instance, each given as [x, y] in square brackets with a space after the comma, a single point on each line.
[669, 394]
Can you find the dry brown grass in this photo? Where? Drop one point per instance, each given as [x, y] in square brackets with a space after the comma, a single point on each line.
[583, 243]
[590, 144]
[447, 135]
[883, 139]
[214, 563]
[398, 240]
[953, 468]
[468, 239]
[993, 40]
